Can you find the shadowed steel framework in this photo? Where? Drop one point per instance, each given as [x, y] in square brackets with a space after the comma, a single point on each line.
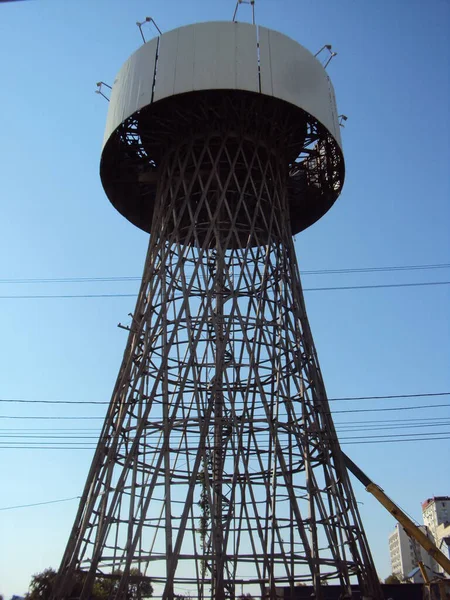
[218, 471]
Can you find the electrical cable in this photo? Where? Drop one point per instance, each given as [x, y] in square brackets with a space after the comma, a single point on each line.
[375, 269]
[426, 395]
[343, 399]
[342, 443]
[375, 286]
[343, 271]
[361, 410]
[74, 434]
[50, 418]
[81, 435]
[396, 435]
[315, 289]
[39, 503]
[432, 439]
[365, 422]
[356, 410]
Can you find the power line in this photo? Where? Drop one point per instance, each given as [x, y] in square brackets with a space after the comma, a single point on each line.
[9, 400]
[390, 436]
[59, 436]
[342, 399]
[60, 296]
[42, 280]
[39, 503]
[376, 286]
[365, 410]
[344, 271]
[355, 410]
[352, 429]
[376, 269]
[315, 289]
[92, 434]
[53, 429]
[430, 439]
[389, 396]
[376, 421]
[342, 443]
[51, 418]
[365, 422]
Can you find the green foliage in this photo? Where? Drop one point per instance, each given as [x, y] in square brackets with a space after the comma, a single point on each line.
[205, 508]
[41, 585]
[392, 579]
[204, 519]
[139, 587]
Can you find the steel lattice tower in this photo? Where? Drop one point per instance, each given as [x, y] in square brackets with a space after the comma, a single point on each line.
[218, 469]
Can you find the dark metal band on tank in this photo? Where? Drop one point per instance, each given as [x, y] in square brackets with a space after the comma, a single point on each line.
[309, 156]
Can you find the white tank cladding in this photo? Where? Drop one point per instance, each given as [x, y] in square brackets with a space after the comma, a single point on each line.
[281, 84]
[223, 55]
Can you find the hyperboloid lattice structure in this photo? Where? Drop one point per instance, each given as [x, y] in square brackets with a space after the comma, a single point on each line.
[218, 471]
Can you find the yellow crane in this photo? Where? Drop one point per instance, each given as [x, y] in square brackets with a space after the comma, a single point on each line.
[411, 528]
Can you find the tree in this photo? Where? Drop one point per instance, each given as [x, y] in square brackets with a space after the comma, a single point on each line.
[41, 585]
[392, 579]
[139, 586]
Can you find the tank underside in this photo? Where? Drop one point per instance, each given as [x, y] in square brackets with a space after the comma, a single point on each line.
[233, 123]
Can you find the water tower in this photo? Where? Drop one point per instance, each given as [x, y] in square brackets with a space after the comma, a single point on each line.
[218, 470]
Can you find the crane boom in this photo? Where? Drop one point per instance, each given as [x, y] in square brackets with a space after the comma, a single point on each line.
[411, 528]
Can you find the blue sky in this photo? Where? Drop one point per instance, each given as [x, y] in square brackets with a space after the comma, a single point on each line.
[391, 77]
